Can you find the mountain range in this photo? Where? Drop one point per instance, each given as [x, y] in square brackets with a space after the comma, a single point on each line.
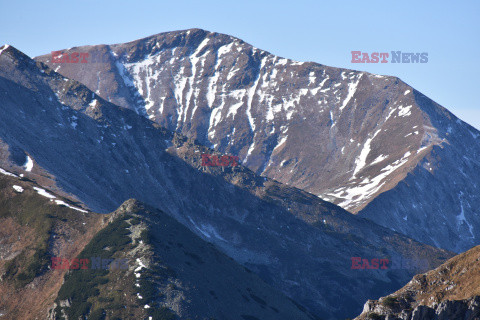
[336, 165]
[371, 144]
[168, 272]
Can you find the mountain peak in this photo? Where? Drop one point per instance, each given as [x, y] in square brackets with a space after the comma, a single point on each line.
[4, 47]
[13, 52]
[130, 206]
[370, 135]
[186, 41]
[191, 33]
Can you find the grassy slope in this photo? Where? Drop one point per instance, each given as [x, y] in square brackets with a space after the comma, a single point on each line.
[185, 277]
[32, 229]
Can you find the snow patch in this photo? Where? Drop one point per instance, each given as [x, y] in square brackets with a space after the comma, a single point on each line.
[405, 111]
[461, 217]
[18, 188]
[282, 141]
[7, 173]
[28, 164]
[311, 78]
[380, 158]
[62, 203]
[93, 103]
[6, 46]
[44, 193]
[359, 192]
[352, 88]
[361, 161]
[207, 230]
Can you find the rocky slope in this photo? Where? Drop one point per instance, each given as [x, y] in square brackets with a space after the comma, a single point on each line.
[171, 274]
[104, 154]
[451, 291]
[35, 225]
[370, 143]
[168, 273]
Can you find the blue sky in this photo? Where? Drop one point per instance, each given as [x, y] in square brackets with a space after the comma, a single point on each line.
[324, 32]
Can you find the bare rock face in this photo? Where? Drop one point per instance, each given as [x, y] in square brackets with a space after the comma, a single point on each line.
[451, 291]
[446, 310]
[369, 143]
